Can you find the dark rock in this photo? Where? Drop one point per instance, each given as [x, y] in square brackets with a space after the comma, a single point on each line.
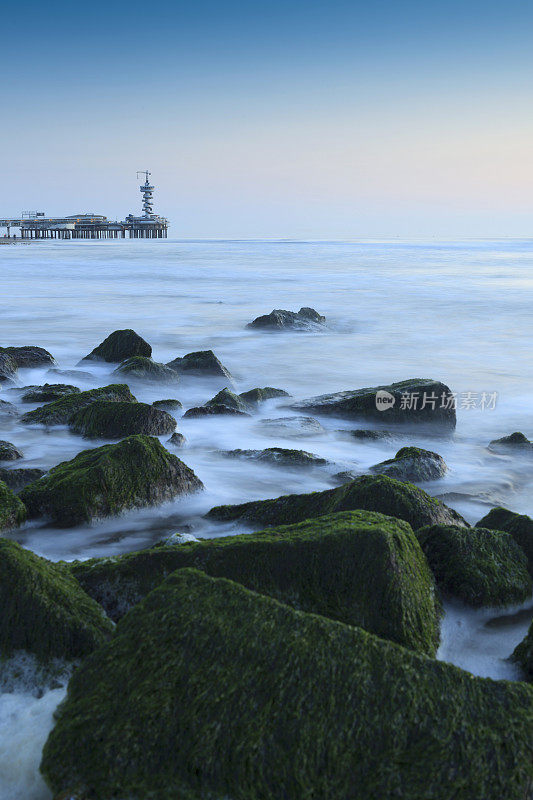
[520, 526]
[279, 319]
[413, 464]
[208, 411]
[370, 435]
[103, 482]
[12, 510]
[523, 654]
[254, 397]
[168, 405]
[229, 399]
[371, 493]
[59, 412]
[110, 420]
[279, 455]
[361, 403]
[482, 567]
[292, 426]
[48, 392]
[17, 479]
[7, 410]
[177, 439]
[119, 346]
[29, 356]
[145, 369]
[515, 442]
[235, 694]
[72, 374]
[203, 362]
[8, 452]
[346, 476]
[8, 367]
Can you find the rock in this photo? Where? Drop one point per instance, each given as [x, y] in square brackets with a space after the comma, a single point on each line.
[59, 412]
[515, 442]
[361, 403]
[177, 439]
[12, 510]
[7, 410]
[235, 694]
[278, 319]
[357, 567]
[279, 455]
[371, 493]
[229, 399]
[180, 538]
[369, 435]
[17, 479]
[519, 526]
[105, 481]
[346, 476]
[482, 567]
[44, 609]
[254, 397]
[203, 362]
[413, 464]
[72, 374]
[168, 405]
[523, 654]
[29, 356]
[208, 411]
[8, 452]
[108, 420]
[119, 346]
[144, 369]
[49, 392]
[292, 426]
[8, 367]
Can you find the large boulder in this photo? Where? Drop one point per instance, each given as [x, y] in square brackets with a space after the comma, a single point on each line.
[8, 451]
[103, 482]
[418, 400]
[8, 367]
[48, 392]
[523, 654]
[358, 567]
[214, 410]
[279, 319]
[29, 356]
[371, 493]
[516, 442]
[170, 404]
[17, 479]
[144, 369]
[61, 411]
[413, 464]
[118, 346]
[202, 362]
[44, 609]
[108, 420]
[229, 399]
[281, 456]
[482, 567]
[209, 690]
[256, 396]
[520, 526]
[12, 510]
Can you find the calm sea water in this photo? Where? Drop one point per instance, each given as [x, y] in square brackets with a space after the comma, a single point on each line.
[459, 312]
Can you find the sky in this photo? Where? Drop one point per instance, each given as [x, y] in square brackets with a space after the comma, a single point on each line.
[322, 120]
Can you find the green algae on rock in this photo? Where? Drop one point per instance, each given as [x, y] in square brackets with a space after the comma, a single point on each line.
[144, 369]
[12, 509]
[8, 451]
[8, 367]
[238, 695]
[61, 411]
[523, 654]
[520, 526]
[370, 493]
[413, 464]
[118, 346]
[29, 356]
[103, 482]
[48, 392]
[229, 399]
[202, 362]
[44, 609]
[110, 420]
[357, 567]
[478, 565]
[256, 396]
[168, 405]
[20, 477]
[283, 456]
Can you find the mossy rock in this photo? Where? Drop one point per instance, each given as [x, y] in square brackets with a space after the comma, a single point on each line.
[229, 399]
[515, 442]
[523, 654]
[44, 609]
[118, 346]
[256, 396]
[8, 451]
[29, 356]
[210, 690]
[281, 456]
[202, 362]
[109, 420]
[291, 426]
[61, 411]
[213, 411]
[168, 405]
[520, 526]
[49, 392]
[358, 567]
[144, 369]
[482, 567]
[12, 509]
[17, 479]
[103, 482]
[177, 439]
[279, 319]
[413, 464]
[370, 493]
[8, 367]
[438, 410]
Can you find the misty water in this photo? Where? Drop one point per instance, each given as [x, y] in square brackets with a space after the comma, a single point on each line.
[459, 312]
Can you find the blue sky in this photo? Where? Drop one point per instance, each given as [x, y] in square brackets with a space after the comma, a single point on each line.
[296, 119]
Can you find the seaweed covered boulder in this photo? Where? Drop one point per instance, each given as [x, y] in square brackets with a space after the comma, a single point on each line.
[48, 392]
[29, 356]
[520, 526]
[516, 442]
[416, 400]
[281, 456]
[12, 510]
[238, 695]
[213, 411]
[44, 609]
[168, 405]
[17, 479]
[303, 320]
[177, 439]
[358, 567]
[480, 566]
[256, 396]
[370, 493]
[413, 464]
[108, 420]
[144, 369]
[523, 654]
[118, 346]
[229, 399]
[8, 367]
[8, 451]
[202, 362]
[60, 412]
[103, 482]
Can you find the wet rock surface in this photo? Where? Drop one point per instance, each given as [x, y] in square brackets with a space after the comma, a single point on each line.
[119, 346]
[279, 319]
